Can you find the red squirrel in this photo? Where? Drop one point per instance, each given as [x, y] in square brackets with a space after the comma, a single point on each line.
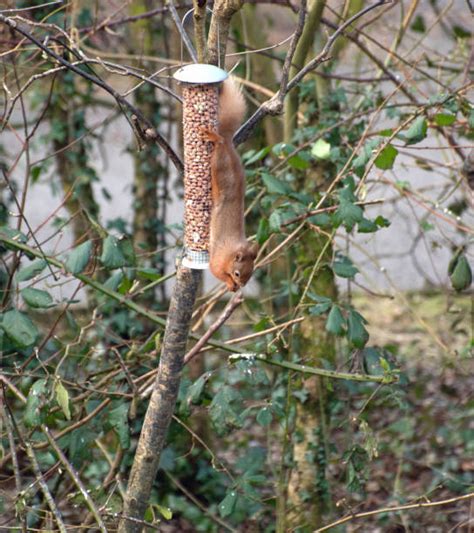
[232, 256]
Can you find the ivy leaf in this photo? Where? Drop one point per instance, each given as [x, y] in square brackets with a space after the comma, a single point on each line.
[62, 397]
[112, 256]
[348, 214]
[356, 332]
[264, 417]
[367, 226]
[321, 149]
[118, 420]
[274, 185]
[460, 273]
[335, 322]
[19, 328]
[195, 390]
[416, 132]
[386, 158]
[344, 267]
[37, 298]
[31, 271]
[222, 412]
[364, 157]
[252, 156]
[36, 397]
[227, 505]
[79, 258]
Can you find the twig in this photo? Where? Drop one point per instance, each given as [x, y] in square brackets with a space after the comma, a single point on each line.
[332, 374]
[182, 32]
[274, 105]
[395, 509]
[152, 133]
[235, 301]
[75, 478]
[104, 290]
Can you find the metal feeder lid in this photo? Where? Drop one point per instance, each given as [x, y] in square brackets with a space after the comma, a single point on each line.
[200, 74]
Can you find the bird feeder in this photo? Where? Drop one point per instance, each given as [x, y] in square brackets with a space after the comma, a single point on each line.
[200, 84]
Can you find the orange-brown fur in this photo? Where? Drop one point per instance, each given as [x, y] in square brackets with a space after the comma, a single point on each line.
[231, 255]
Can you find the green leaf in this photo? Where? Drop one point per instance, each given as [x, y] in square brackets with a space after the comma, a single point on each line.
[36, 398]
[118, 420]
[461, 275]
[344, 268]
[79, 258]
[227, 505]
[364, 157]
[37, 298]
[348, 214]
[416, 132]
[31, 271]
[195, 390]
[165, 512]
[386, 158]
[320, 309]
[19, 328]
[321, 149]
[274, 185]
[298, 162]
[252, 156]
[444, 119]
[62, 397]
[274, 222]
[264, 417]
[263, 231]
[335, 323]
[112, 256]
[356, 332]
[367, 226]
[418, 24]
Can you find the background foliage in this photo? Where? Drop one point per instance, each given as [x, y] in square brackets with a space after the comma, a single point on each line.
[359, 196]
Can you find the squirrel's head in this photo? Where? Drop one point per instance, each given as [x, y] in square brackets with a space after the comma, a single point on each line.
[242, 266]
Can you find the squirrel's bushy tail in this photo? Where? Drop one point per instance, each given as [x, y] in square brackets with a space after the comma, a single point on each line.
[231, 107]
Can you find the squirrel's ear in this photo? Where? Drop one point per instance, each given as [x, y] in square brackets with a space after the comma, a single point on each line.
[239, 256]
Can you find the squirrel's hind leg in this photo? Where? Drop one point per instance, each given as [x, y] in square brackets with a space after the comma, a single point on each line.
[211, 136]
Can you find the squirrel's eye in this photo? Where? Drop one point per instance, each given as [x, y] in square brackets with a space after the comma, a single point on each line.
[237, 274]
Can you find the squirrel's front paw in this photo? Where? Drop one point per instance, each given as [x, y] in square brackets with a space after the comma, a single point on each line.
[211, 136]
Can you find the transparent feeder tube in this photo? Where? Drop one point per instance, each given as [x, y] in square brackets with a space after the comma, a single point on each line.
[200, 108]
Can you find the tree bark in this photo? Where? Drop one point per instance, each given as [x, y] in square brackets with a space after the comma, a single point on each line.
[162, 401]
